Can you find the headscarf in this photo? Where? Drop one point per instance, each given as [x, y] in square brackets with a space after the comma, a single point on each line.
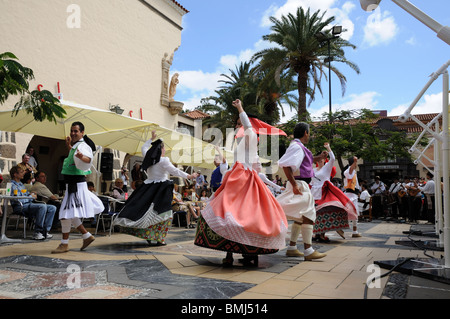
[153, 155]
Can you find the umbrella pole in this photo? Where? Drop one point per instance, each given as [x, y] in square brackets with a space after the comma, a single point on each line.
[97, 169]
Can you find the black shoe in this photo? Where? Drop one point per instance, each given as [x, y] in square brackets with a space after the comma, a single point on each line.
[249, 260]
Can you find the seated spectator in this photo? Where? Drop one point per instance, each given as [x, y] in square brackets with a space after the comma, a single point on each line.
[203, 198]
[118, 192]
[45, 195]
[40, 189]
[179, 205]
[42, 213]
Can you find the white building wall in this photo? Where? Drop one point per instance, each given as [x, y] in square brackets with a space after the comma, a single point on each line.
[101, 52]
[113, 57]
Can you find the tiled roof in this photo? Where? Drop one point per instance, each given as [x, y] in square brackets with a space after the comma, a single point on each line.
[409, 126]
[196, 114]
[180, 6]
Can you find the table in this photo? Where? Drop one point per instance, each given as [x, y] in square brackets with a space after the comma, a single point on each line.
[6, 198]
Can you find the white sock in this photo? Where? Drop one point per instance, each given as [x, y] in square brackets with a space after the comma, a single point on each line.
[65, 241]
[292, 247]
[355, 225]
[308, 251]
[86, 236]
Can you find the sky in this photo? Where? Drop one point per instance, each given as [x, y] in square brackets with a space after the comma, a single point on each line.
[396, 53]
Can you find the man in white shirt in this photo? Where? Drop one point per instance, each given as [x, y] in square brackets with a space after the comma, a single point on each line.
[364, 199]
[377, 189]
[428, 191]
[297, 201]
[395, 187]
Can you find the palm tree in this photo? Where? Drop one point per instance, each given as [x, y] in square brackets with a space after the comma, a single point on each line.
[14, 81]
[258, 91]
[272, 93]
[299, 50]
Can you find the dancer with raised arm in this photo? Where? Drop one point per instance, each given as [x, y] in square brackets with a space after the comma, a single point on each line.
[333, 208]
[243, 216]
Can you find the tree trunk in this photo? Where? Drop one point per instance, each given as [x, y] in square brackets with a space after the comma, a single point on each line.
[303, 114]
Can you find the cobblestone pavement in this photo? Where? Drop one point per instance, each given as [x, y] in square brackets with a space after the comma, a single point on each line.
[124, 267]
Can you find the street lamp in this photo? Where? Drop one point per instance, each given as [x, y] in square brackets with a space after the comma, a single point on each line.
[322, 36]
[116, 109]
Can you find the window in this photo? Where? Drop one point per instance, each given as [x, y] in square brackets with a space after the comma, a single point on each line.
[186, 129]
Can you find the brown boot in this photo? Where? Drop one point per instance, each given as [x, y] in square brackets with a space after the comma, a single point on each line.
[62, 248]
[87, 242]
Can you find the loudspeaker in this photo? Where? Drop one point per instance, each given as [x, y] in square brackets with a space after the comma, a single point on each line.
[107, 163]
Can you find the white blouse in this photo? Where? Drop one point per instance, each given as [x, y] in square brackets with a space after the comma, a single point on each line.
[162, 170]
[246, 151]
[320, 176]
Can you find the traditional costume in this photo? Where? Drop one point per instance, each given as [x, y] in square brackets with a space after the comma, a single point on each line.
[298, 158]
[78, 202]
[147, 213]
[352, 189]
[297, 207]
[351, 186]
[333, 208]
[243, 216]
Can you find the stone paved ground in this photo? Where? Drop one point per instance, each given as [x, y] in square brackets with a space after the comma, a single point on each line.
[124, 267]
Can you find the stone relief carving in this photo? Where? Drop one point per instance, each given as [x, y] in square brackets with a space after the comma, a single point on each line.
[168, 89]
[173, 87]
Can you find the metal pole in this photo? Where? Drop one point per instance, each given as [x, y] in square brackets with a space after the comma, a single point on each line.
[439, 222]
[446, 167]
[329, 80]
[443, 32]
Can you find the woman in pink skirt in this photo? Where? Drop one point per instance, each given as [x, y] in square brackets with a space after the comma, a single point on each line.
[243, 216]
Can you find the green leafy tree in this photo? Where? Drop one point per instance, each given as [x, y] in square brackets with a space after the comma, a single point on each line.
[14, 80]
[298, 49]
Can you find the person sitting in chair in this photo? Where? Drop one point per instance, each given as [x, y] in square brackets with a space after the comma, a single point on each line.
[41, 212]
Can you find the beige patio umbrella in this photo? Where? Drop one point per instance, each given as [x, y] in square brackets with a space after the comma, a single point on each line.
[95, 120]
[182, 149]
